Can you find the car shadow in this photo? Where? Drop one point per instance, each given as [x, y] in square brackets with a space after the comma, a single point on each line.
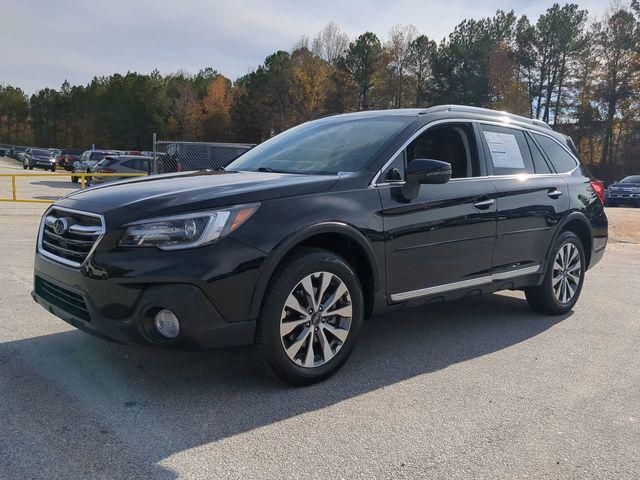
[72, 397]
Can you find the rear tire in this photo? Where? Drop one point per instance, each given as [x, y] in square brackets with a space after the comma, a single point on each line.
[307, 344]
[563, 279]
[30, 167]
[24, 167]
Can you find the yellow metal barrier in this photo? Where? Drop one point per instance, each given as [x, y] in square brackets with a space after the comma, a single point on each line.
[82, 177]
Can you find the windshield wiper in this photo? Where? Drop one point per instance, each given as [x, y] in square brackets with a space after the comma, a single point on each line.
[271, 170]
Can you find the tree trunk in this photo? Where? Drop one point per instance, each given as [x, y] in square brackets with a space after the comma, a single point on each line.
[560, 82]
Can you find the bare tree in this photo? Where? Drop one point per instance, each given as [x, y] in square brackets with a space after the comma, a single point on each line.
[330, 43]
[398, 53]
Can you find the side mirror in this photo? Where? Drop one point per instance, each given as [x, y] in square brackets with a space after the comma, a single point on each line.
[424, 171]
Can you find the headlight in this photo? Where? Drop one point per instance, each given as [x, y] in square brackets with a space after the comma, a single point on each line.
[186, 231]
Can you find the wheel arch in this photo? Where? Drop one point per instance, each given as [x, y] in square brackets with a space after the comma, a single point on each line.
[579, 224]
[340, 238]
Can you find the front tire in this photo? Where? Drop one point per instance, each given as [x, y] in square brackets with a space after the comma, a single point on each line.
[74, 179]
[310, 318]
[563, 279]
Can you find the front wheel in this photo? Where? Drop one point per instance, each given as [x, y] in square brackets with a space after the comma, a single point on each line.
[563, 280]
[310, 319]
[74, 179]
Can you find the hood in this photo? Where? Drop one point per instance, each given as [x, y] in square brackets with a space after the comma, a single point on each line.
[191, 191]
[625, 185]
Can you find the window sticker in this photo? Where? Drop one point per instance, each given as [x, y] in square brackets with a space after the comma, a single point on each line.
[504, 149]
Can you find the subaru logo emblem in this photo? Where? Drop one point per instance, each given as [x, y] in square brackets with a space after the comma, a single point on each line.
[60, 226]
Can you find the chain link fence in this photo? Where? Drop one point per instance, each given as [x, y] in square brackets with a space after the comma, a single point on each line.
[177, 156]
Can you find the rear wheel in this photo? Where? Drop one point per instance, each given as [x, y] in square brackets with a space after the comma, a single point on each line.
[563, 280]
[30, 167]
[310, 319]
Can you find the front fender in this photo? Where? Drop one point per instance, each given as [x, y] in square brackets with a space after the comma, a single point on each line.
[274, 258]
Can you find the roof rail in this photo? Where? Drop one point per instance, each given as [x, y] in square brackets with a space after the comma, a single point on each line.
[488, 112]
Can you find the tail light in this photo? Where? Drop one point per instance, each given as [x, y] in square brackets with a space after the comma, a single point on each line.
[107, 170]
[598, 187]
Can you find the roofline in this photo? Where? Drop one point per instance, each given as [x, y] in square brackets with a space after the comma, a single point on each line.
[415, 112]
[488, 113]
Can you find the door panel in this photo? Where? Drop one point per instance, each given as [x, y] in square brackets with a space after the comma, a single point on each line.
[440, 237]
[528, 209]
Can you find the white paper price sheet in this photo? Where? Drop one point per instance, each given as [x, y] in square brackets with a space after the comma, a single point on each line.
[504, 149]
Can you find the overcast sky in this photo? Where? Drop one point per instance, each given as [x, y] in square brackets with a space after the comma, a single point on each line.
[44, 42]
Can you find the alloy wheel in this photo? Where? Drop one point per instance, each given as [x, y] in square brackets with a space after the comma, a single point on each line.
[567, 270]
[316, 319]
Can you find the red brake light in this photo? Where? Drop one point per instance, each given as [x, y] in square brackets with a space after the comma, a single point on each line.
[107, 170]
[598, 187]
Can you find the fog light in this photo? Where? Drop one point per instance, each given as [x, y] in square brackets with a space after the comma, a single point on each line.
[167, 323]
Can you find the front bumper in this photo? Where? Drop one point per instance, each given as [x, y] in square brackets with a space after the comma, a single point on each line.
[115, 295]
[622, 197]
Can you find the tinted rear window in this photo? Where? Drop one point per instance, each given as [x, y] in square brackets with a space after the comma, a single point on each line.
[41, 153]
[539, 163]
[561, 160]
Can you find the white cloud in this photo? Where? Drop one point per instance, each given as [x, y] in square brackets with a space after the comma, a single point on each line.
[43, 41]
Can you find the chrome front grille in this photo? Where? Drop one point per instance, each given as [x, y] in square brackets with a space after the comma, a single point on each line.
[69, 236]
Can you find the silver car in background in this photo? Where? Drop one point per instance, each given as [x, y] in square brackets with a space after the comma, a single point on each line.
[121, 164]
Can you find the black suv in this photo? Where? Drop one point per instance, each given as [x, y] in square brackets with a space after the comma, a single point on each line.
[306, 235]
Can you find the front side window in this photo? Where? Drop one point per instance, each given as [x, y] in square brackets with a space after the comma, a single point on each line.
[561, 160]
[507, 150]
[326, 146]
[454, 144]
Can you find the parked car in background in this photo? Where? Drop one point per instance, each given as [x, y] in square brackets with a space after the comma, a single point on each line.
[68, 157]
[87, 160]
[5, 150]
[39, 158]
[624, 192]
[290, 247]
[120, 164]
[16, 152]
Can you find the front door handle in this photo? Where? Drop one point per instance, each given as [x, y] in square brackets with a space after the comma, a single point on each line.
[554, 193]
[484, 204]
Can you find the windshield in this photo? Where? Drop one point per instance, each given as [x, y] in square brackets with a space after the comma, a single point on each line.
[631, 179]
[41, 153]
[326, 146]
[97, 156]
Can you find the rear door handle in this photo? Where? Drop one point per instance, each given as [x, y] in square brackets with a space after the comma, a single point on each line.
[554, 193]
[484, 204]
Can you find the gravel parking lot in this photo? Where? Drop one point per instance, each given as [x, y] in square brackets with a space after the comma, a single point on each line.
[481, 388]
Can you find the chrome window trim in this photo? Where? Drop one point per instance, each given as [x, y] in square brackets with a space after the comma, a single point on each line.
[374, 183]
[61, 260]
[472, 282]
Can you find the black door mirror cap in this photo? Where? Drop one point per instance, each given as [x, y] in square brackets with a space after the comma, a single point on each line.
[427, 171]
[424, 171]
